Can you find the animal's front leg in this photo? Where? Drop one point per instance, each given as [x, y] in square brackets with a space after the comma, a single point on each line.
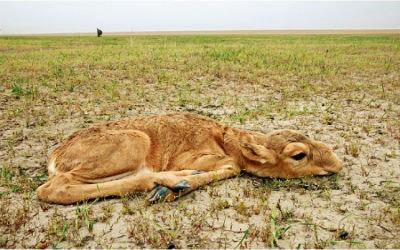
[162, 192]
[191, 182]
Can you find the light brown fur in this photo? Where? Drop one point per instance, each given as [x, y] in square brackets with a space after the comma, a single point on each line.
[140, 154]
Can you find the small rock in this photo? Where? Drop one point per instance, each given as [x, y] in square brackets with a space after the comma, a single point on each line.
[343, 235]
[170, 245]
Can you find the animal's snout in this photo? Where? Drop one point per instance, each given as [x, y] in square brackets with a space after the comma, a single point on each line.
[336, 165]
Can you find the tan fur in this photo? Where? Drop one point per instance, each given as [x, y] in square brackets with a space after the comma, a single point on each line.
[119, 157]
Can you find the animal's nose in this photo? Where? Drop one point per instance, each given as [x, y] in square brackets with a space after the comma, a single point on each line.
[336, 169]
[336, 165]
[339, 166]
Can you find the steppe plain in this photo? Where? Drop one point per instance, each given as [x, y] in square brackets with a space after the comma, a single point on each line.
[343, 89]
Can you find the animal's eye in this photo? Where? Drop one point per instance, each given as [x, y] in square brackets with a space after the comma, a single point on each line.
[299, 157]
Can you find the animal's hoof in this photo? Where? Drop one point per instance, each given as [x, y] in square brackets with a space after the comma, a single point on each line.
[158, 193]
[197, 172]
[181, 186]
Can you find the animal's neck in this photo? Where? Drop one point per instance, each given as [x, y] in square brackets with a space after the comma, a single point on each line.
[232, 139]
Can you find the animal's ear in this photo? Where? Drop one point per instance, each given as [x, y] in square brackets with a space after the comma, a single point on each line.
[258, 153]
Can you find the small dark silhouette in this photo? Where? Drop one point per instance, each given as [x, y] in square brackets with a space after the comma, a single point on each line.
[99, 32]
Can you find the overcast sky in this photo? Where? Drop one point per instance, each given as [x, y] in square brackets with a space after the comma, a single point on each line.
[32, 17]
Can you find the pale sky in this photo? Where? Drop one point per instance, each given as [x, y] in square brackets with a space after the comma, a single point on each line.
[35, 17]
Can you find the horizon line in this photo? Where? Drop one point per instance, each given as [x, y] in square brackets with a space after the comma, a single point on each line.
[365, 31]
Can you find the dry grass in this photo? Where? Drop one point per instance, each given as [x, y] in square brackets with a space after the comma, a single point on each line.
[341, 89]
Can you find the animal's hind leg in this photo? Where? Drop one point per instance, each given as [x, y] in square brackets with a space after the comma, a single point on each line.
[56, 189]
[101, 155]
[66, 189]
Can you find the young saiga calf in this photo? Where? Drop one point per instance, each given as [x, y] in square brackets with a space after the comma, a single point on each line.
[173, 155]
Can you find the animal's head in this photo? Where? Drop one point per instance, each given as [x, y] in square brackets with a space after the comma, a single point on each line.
[288, 154]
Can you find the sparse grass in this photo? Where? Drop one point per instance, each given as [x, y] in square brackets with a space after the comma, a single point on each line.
[276, 233]
[83, 213]
[304, 184]
[341, 89]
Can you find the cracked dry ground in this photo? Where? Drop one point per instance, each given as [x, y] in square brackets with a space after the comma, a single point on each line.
[343, 90]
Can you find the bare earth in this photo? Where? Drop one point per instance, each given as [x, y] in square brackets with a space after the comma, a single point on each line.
[359, 119]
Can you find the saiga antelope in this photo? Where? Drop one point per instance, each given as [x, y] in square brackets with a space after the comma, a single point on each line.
[173, 155]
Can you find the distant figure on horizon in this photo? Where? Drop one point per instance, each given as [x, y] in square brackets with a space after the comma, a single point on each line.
[99, 32]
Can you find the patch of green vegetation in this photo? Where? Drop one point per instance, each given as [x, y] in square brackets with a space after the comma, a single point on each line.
[306, 183]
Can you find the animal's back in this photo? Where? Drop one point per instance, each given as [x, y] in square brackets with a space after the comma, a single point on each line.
[169, 136]
[173, 134]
